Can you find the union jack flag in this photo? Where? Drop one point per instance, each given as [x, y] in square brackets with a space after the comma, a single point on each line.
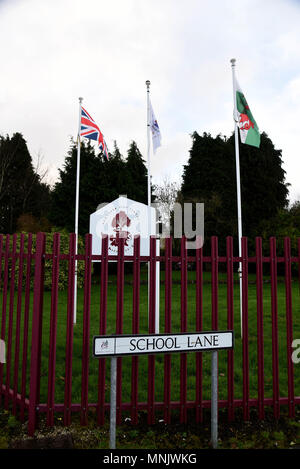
[90, 129]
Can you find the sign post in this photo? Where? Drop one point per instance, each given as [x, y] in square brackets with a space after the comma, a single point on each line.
[113, 402]
[120, 345]
[214, 399]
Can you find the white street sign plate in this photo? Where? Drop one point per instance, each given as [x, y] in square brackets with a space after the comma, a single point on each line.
[161, 343]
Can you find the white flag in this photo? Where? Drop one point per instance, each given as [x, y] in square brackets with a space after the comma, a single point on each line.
[155, 130]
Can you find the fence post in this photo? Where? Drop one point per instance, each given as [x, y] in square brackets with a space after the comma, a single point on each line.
[199, 326]
[102, 328]
[10, 321]
[274, 306]
[289, 325]
[53, 327]
[260, 328]
[26, 326]
[4, 298]
[119, 321]
[214, 282]
[36, 340]
[246, 409]
[230, 325]
[70, 328]
[168, 310]
[151, 358]
[183, 328]
[135, 327]
[1, 255]
[18, 324]
[214, 399]
[86, 329]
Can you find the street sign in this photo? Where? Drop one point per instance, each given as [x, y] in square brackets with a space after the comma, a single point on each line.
[119, 345]
[161, 343]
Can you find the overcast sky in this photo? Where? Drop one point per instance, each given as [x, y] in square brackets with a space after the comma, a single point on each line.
[53, 51]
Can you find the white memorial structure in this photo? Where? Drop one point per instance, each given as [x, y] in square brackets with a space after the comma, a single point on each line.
[129, 218]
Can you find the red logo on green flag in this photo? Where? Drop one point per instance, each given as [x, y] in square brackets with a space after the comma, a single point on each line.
[245, 123]
[249, 131]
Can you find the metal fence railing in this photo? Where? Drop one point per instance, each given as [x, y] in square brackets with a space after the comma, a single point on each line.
[37, 344]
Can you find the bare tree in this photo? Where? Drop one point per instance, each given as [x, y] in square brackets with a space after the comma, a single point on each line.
[38, 174]
[165, 196]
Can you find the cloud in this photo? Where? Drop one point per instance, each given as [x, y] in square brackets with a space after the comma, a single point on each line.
[281, 117]
[55, 51]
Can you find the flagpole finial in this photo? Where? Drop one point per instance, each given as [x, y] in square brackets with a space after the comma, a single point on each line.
[233, 62]
[148, 84]
[80, 100]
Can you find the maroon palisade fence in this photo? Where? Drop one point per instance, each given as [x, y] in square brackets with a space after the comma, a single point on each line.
[22, 274]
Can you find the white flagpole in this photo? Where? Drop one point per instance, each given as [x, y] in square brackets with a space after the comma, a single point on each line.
[157, 293]
[77, 208]
[238, 186]
[148, 183]
[148, 144]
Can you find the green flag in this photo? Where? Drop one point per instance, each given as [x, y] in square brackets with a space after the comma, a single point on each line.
[249, 131]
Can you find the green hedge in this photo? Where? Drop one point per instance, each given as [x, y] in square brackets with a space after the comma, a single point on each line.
[63, 265]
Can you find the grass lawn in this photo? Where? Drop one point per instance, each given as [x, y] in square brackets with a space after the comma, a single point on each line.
[159, 360]
[283, 433]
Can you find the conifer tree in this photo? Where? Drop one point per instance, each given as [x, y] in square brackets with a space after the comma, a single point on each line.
[21, 188]
[64, 191]
[101, 181]
[137, 184]
[210, 177]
